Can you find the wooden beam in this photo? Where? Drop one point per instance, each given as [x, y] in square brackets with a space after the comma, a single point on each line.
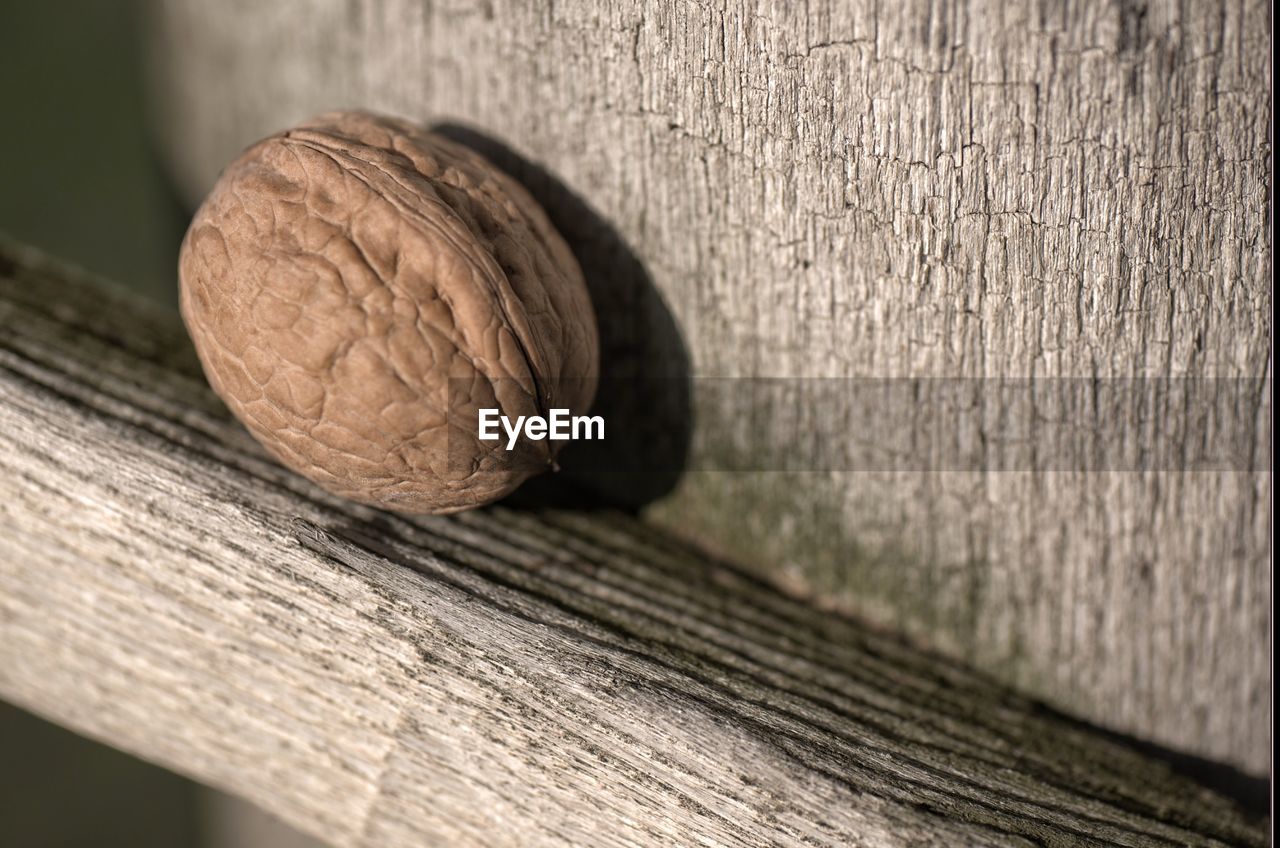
[505, 676]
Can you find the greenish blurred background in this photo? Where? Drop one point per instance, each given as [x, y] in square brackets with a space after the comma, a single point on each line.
[79, 178]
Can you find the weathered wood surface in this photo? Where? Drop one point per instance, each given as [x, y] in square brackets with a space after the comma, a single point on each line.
[498, 677]
[851, 188]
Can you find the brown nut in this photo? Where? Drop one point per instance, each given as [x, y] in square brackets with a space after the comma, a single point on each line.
[358, 288]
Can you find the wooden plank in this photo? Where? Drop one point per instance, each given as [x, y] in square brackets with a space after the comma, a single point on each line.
[953, 189]
[505, 676]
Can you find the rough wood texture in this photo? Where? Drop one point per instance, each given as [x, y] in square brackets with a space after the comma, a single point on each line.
[499, 677]
[851, 188]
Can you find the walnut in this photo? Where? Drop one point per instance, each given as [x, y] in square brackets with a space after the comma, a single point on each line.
[358, 288]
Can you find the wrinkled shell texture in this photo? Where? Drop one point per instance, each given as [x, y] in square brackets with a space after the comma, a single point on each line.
[357, 288]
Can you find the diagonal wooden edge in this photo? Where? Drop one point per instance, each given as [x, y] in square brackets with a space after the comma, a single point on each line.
[504, 676]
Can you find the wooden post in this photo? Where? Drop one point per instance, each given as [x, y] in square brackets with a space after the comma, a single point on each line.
[992, 192]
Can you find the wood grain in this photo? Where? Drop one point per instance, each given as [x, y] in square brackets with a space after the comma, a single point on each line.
[499, 677]
[851, 189]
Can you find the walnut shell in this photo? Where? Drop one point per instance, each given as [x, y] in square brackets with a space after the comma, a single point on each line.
[357, 288]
